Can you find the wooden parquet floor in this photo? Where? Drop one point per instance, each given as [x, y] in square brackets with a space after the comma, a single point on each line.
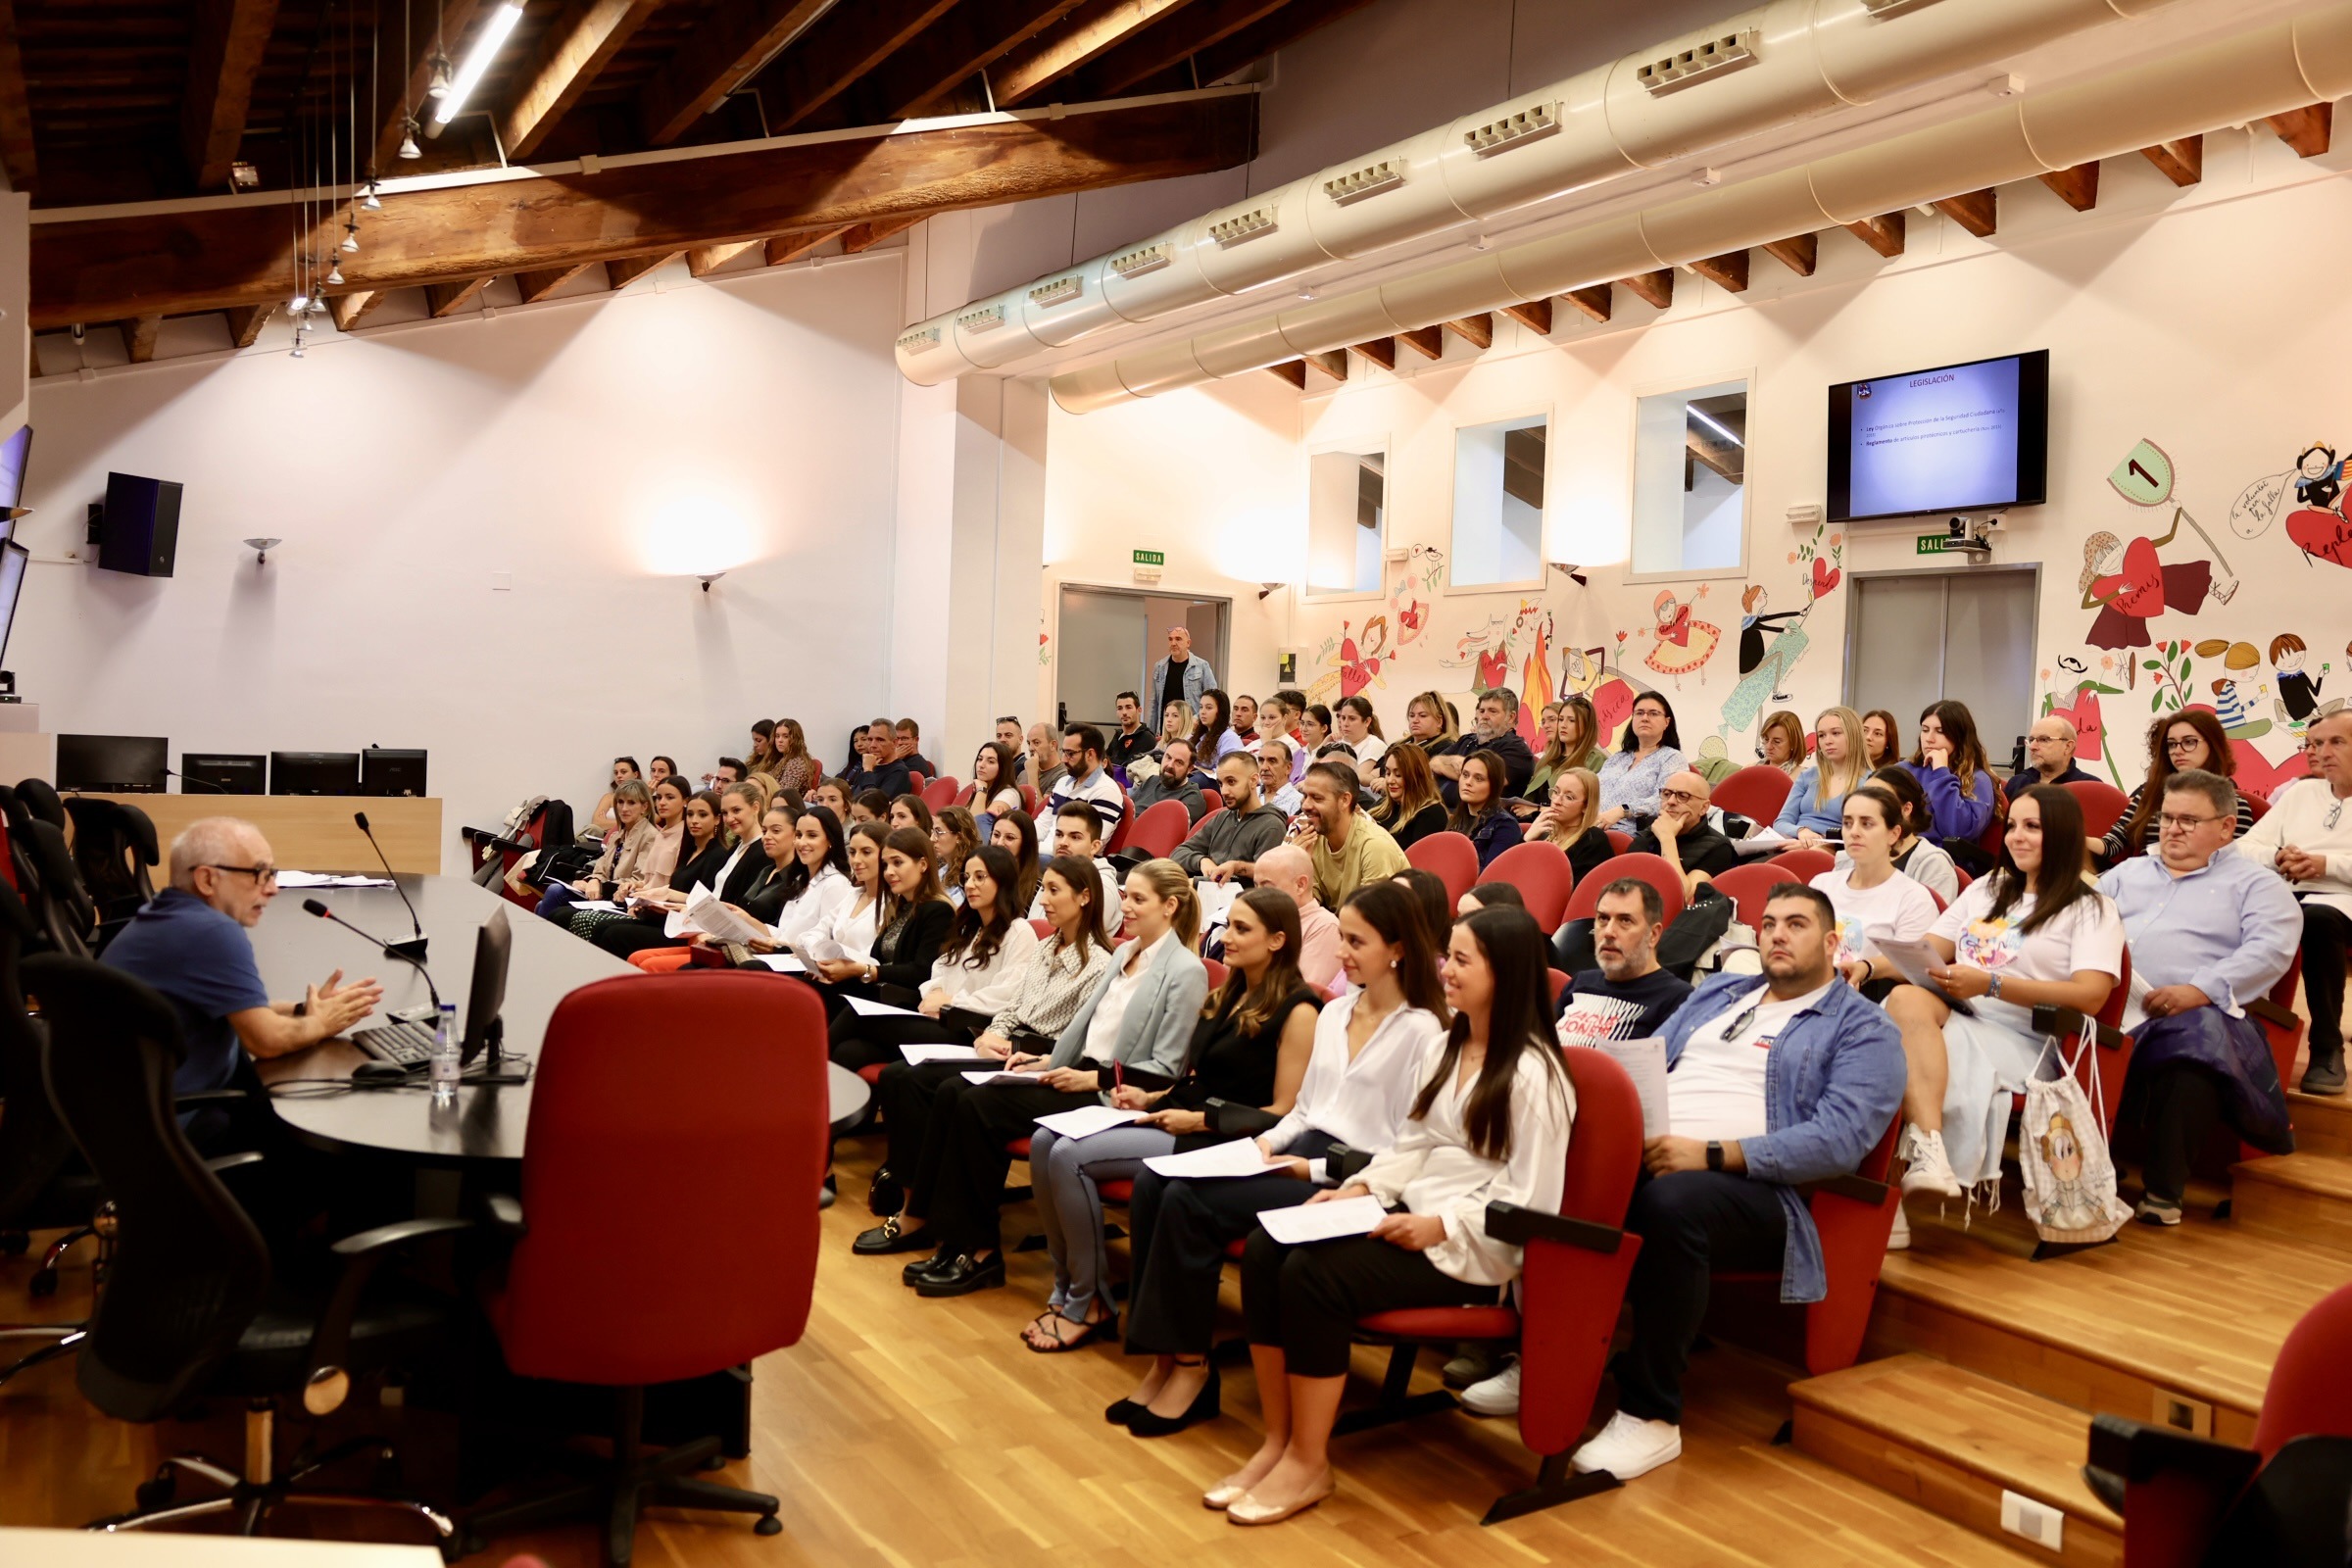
[911, 1434]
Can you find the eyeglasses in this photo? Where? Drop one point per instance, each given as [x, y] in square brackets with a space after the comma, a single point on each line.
[263, 875]
[1680, 795]
[2186, 743]
[2185, 823]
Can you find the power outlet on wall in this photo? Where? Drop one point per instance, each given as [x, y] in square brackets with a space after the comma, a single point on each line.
[2038, 1522]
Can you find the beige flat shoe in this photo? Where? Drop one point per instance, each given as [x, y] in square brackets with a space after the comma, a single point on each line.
[1248, 1510]
[1224, 1495]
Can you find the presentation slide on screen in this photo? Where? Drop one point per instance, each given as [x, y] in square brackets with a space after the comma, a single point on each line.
[1935, 441]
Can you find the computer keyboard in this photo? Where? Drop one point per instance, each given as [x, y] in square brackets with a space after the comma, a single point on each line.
[404, 1044]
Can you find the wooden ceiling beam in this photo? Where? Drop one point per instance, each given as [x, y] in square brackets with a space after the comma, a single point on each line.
[1260, 39]
[1381, 351]
[792, 247]
[1168, 40]
[245, 322]
[2308, 131]
[1332, 362]
[1293, 371]
[970, 38]
[626, 269]
[860, 237]
[225, 53]
[1652, 288]
[1799, 253]
[1078, 39]
[2182, 161]
[733, 42]
[350, 309]
[400, 83]
[1427, 341]
[539, 283]
[1728, 272]
[2077, 187]
[1476, 330]
[575, 50]
[839, 48]
[17, 155]
[704, 260]
[1533, 315]
[139, 337]
[1977, 211]
[1883, 234]
[445, 300]
[210, 257]
[1597, 300]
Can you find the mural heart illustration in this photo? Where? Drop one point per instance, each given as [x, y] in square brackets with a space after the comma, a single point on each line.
[2324, 534]
[2090, 730]
[1825, 577]
[2256, 772]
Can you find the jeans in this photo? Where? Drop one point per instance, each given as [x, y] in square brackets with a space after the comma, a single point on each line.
[1066, 1176]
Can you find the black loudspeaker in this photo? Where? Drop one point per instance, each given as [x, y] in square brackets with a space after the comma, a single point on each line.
[142, 525]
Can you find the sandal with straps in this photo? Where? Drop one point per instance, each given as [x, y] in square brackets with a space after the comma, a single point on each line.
[1087, 1332]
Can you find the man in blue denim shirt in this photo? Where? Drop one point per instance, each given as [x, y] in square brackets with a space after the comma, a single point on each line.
[1768, 1085]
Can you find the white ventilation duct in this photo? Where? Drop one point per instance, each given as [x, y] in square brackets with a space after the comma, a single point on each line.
[2264, 71]
[1783, 62]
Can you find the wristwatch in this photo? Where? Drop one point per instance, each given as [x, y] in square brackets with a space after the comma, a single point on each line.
[1714, 1155]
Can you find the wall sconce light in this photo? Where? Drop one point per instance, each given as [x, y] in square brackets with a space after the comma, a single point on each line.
[262, 549]
[1266, 589]
[710, 577]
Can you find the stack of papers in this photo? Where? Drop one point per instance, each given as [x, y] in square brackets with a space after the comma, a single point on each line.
[1323, 1222]
[328, 879]
[1000, 1076]
[708, 912]
[822, 950]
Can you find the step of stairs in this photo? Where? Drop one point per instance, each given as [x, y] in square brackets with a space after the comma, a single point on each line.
[2322, 1123]
[1952, 1442]
[2302, 1198]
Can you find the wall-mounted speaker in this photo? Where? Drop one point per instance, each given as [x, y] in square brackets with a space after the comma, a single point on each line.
[141, 529]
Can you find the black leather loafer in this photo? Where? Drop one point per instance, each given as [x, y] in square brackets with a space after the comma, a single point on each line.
[891, 1236]
[885, 1196]
[962, 1275]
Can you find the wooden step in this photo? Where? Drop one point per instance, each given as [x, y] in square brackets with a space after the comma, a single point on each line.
[2301, 1197]
[2178, 1325]
[2322, 1123]
[1951, 1442]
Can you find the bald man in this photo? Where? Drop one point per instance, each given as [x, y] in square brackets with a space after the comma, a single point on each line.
[1288, 869]
[1679, 835]
[2050, 757]
[189, 943]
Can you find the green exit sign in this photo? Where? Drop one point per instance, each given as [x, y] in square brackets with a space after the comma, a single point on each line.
[1150, 558]
[1930, 544]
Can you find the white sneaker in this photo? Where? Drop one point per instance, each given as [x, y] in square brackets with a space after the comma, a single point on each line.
[1898, 1240]
[1930, 1170]
[1498, 1394]
[1629, 1446]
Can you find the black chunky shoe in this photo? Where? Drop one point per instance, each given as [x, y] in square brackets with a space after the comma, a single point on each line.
[961, 1276]
[889, 1237]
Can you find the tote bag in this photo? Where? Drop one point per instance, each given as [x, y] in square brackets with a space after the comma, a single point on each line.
[2069, 1172]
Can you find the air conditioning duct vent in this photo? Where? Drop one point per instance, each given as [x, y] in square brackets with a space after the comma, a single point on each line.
[1061, 291]
[1880, 9]
[1369, 180]
[1710, 59]
[1531, 123]
[922, 337]
[1150, 259]
[1255, 224]
[987, 319]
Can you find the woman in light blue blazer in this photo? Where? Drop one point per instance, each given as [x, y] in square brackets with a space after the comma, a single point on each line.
[1134, 1029]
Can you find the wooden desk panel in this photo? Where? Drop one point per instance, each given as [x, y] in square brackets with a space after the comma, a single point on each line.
[313, 832]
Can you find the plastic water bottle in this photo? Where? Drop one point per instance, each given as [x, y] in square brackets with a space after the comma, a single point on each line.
[446, 1050]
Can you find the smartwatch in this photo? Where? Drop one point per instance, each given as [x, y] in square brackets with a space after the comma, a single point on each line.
[1714, 1155]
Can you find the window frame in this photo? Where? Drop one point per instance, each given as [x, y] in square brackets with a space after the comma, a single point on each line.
[1384, 445]
[1548, 412]
[1632, 489]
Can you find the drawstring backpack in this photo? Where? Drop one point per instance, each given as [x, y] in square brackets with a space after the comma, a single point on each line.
[2062, 1150]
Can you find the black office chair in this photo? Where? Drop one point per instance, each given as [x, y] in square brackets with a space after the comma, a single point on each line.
[196, 1307]
[64, 915]
[114, 851]
[40, 798]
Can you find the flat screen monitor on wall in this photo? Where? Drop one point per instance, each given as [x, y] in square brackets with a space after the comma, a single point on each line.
[13, 556]
[1971, 437]
[15, 452]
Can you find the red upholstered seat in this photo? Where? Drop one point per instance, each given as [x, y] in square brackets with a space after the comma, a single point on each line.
[1116, 1192]
[916, 782]
[1756, 792]
[1159, 829]
[1620, 841]
[1444, 1323]
[1118, 835]
[1452, 857]
[1642, 868]
[872, 1071]
[1216, 972]
[1560, 980]
[1854, 1222]
[942, 792]
[1804, 864]
[1748, 886]
[1042, 927]
[2103, 806]
[1018, 1149]
[1540, 872]
[1216, 799]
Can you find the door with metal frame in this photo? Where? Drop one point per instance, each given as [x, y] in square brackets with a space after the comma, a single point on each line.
[1110, 638]
[1918, 637]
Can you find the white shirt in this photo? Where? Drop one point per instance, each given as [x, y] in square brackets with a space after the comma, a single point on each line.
[1716, 1091]
[1103, 1029]
[1361, 1102]
[1899, 906]
[1110, 894]
[827, 894]
[851, 926]
[2089, 935]
[1367, 751]
[2298, 816]
[991, 988]
[1432, 1168]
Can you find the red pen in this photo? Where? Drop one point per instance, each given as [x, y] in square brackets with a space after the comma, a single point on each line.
[1118, 1074]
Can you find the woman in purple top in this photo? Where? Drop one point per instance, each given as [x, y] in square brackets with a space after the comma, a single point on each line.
[1949, 765]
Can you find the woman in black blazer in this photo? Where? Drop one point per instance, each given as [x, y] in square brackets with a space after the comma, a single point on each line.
[913, 926]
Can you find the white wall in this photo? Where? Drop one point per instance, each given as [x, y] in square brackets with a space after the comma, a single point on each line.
[2200, 319]
[486, 524]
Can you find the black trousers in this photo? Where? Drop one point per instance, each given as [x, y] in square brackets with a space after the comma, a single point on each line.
[2182, 1106]
[1691, 1223]
[967, 1187]
[2327, 935]
[1177, 1234]
[620, 938]
[1307, 1298]
[857, 1040]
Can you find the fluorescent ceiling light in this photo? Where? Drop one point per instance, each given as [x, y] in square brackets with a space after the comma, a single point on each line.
[495, 29]
[1713, 424]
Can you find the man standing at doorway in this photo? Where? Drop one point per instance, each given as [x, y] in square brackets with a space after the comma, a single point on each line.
[1179, 677]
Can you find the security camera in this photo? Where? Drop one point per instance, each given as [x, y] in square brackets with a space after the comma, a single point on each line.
[1969, 536]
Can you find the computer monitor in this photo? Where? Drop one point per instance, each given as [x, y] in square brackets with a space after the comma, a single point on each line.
[314, 772]
[491, 947]
[15, 452]
[223, 773]
[13, 558]
[120, 765]
[389, 770]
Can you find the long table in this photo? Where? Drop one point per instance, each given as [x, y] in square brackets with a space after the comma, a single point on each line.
[313, 832]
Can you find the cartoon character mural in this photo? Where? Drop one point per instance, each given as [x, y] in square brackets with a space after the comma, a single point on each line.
[1612, 693]
[1485, 652]
[1531, 645]
[2239, 689]
[1355, 661]
[1771, 642]
[2298, 692]
[1422, 571]
[2129, 584]
[2311, 496]
[1685, 643]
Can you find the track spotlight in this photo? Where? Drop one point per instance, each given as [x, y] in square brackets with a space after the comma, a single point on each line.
[408, 140]
[438, 86]
[334, 270]
[351, 237]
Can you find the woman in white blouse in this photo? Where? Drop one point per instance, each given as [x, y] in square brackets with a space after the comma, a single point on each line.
[812, 877]
[855, 920]
[1489, 1124]
[973, 979]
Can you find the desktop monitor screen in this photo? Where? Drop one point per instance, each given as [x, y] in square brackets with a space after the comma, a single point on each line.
[15, 452]
[13, 556]
[390, 771]
[314, 772]
[120, 765]
[223, 773]
[1969, 437]
[491, 947]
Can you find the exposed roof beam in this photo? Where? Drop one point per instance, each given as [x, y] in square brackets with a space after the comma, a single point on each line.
[2307, 130]
[245, 322]
[1170, 40]
[2077, 187]
[1381, 351]
[223, 56]
[15, 109]
[538, 284]
[1597, 300]
[1260, 39]
[1978, 210]
[734, 41]
[575, 48]
[350, 309]
[401, 84]
[1293, 371]
[448, 299]
[1798, 252]
[704, 260]
[1427, 341]
[1332, 362]
[843, 45]
[792, 247]
[210, 257]
[626, 269]
[1533, 315]
[2182, 161]
[1476, 330]
[866, 236]
[1728, 272]
[139, 337]
[1655, 288]
[1718, 455]
[1883, 234]
[1080, 37]
[973, 36]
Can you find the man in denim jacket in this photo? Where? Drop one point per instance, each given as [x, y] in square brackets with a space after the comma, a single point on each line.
[1769, 1085]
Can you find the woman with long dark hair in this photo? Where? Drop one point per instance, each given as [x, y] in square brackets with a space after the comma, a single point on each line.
[1212, 736]
[1949, 765]
[1914, 855]
[2031, 931]
[978, 966]
[1479, 814]
[911, 923]
[1882, 740]
[1652, 750]
[1489, 1124]
[1364, 1069]
[1015, 833]
[993, 791]
[2177, 742]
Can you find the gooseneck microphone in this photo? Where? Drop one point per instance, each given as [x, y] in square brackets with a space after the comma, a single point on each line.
[414, 948]
[201, 783]
[314, 906]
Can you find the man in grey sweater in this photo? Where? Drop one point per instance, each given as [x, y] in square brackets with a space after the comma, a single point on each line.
[1229, 841]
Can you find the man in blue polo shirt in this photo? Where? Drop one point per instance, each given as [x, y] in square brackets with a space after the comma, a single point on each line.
[189, 943]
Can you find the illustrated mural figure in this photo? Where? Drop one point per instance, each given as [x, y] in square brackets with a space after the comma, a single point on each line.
[1531, 640]
[1764, 665]
[2314, 488]
[1685, 644]
[1355, 662]
[1754, 623]
[2319, 477]
[1586, 670]
[2298, 693]
[2240, 689]
[2130, 586]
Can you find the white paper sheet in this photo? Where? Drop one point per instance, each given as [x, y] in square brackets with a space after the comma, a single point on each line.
[916, 1055]
[1087, 1120]
[1912, 960]
[597, 904]
[1238, 1156]
[706, 910]
[1322, 1222]
[1644, 1062]
[329, 879]
[1000, 1076]
[880, 1009]
[822, 950]
[781, 963]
